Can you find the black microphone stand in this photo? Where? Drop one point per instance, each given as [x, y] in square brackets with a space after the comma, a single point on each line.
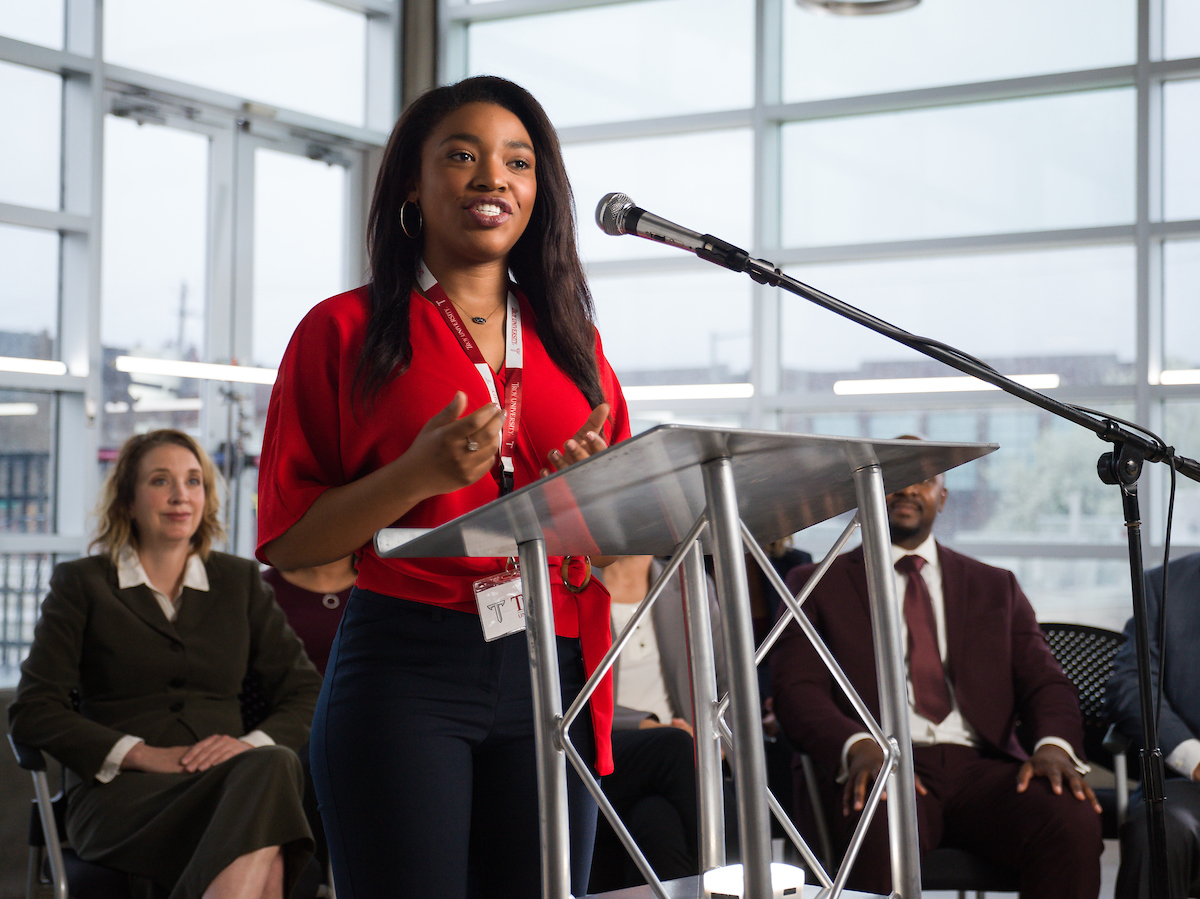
[1121, 467]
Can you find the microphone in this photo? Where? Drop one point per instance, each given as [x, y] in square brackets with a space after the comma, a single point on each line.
[616, 214]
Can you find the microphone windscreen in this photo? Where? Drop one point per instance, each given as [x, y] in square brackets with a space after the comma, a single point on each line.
[611, 211]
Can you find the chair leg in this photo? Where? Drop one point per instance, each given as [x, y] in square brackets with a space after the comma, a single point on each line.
[58, 870]
[1121, 771]
[33, 877]
[814, 798]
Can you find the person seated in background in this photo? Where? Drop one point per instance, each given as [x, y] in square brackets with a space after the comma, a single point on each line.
[156, 634]
[313, 600]
[764, 599]
[764, 611]
[1178, 730]
[653, 783]
[977, 663]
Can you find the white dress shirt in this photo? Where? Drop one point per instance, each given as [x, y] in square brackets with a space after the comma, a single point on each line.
[640, 682]
[1185, 757]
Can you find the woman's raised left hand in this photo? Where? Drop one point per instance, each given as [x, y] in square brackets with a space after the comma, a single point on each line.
[587, 441]
[212, 751]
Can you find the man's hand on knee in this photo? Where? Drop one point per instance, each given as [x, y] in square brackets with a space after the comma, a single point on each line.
[1053, 763]
[863, 761]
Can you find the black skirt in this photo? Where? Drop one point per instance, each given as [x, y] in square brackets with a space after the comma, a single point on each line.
[179, 831]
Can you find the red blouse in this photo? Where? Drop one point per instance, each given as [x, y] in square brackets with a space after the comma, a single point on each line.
[313, 441]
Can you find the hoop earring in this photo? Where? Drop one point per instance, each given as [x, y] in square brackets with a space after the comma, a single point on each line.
[404, 225]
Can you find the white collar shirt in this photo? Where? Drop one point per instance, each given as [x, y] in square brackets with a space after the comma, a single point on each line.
[953, 728]
[130, 573]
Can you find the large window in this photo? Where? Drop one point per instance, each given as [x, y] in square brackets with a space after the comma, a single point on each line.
[951, 42]
[34, 99]
[1018, 180]
[29, 293]
[305, 55]
[624, 61]
[1066, 312]
[187, 208]
[1064, 161]
[299, 244]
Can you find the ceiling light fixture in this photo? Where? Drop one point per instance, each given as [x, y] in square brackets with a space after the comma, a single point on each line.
[1180, 376]
[209, 371]
[855, 7]
[936, 385]
[18, 408]
[32, 366]
[661, 392]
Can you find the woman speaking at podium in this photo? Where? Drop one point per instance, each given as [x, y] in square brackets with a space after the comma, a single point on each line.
[467, 367]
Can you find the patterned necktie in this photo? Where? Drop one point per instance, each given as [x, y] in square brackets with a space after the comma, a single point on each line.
[931, 696]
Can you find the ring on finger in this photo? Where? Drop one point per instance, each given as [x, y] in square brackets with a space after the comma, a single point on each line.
[471, 445]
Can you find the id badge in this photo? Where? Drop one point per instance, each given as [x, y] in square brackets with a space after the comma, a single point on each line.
[501, 605]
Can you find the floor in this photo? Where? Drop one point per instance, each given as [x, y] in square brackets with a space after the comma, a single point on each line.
[690, 888]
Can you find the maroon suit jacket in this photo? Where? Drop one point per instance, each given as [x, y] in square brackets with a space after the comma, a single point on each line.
[997, 657]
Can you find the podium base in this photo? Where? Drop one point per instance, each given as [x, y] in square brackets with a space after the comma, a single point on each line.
[729, 882]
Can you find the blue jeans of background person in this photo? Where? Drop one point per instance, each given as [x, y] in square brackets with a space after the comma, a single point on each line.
[424, 761]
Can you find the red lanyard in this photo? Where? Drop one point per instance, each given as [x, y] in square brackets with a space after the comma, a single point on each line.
[513, 363]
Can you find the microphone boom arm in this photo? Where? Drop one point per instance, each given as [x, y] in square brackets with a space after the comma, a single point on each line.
[1106, 429]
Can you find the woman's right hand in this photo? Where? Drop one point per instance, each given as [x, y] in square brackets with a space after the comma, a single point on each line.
[183, 759]
[454, 450]
[439, 460]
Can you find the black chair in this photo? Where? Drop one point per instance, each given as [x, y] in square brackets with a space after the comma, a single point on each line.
[1086, 656]
[54, 865]
[50, 862]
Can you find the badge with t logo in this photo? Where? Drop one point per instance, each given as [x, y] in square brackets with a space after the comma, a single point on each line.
[501, 604]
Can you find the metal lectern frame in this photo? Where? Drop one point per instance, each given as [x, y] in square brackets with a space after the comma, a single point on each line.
[674, 490]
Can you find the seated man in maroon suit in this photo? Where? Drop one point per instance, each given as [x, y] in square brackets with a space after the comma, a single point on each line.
[978, 666]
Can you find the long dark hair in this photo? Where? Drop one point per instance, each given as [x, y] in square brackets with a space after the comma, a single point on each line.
[544, 261]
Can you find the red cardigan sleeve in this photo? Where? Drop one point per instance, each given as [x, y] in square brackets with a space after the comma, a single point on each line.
[301, 455]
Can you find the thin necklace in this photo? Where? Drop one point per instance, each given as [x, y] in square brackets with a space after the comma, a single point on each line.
[478, 319]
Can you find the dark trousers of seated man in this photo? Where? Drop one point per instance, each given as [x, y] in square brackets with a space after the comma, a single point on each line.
[1182, 813]
[653, 789]
[1053, 841]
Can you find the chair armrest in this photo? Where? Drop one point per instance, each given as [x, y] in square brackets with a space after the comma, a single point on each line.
[27, 757]
[1115, 741]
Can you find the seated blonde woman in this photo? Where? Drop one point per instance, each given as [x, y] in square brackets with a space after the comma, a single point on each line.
[156, 633]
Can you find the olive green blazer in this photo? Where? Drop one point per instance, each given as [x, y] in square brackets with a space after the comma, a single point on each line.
[170, 683]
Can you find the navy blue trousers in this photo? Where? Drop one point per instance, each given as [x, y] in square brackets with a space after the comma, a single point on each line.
[423, 757]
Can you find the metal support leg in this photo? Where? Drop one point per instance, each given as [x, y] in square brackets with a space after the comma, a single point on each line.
[893, 683]
[709, 779]
[547, 710]
[58, 868]
[749, 763]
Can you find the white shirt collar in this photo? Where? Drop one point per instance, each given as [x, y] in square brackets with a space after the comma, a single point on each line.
[130, 572]
[927, 551]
